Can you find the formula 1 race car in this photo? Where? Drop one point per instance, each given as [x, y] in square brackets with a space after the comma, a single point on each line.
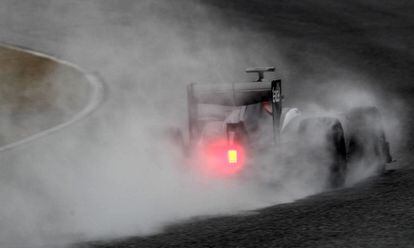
[232, 127]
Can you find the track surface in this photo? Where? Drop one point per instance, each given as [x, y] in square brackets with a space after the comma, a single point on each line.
[376, 213]
[370, 36]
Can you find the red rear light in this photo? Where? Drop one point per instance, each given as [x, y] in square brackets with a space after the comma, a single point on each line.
[221, 159]
[232, 156]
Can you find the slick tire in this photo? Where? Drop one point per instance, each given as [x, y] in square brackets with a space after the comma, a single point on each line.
[324, 141]
[367, 142]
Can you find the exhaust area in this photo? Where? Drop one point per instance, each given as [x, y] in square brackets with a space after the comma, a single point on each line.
[115, 173]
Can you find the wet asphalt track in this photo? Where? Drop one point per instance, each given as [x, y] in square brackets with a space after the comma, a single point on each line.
[375, 213]
[370, 36]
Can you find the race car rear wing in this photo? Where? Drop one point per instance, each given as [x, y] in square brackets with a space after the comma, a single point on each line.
[260, 71]
[236, 94]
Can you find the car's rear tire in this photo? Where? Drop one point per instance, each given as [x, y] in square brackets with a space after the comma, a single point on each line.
[324, 142]
[367, 142]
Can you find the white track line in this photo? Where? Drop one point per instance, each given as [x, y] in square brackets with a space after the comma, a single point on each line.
[96, 97]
